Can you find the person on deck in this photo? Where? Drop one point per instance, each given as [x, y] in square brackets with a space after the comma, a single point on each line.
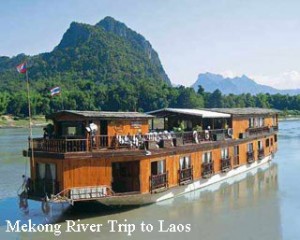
[46, 135]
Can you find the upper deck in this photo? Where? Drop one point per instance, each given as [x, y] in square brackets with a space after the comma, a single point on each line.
[86, 132]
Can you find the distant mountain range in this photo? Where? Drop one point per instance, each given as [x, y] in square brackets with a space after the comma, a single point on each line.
[237, 85]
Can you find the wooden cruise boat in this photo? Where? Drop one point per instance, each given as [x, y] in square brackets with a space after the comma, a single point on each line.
[130, 158]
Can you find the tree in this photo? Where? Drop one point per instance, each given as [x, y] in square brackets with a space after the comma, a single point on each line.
[200, 90]
[215, 100]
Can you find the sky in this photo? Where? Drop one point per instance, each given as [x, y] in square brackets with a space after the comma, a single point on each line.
[258, 38]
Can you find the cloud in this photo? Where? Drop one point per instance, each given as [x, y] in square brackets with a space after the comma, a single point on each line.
[229, 74]
[285, 80]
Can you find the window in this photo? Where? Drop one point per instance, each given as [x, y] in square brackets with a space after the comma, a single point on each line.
[259, 144]
[46, 179]
[261, 122]
[250, 147]
[236, 152]
[158, 167]
[256, 122]
[271, 141]
[207, 157]
[251, 122]
[224, 153]
[275, 137]
[184, 162]
[46, 171]
[267, 142]
[71, 129]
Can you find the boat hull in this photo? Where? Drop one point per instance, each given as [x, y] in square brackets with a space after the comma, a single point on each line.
[234, 175]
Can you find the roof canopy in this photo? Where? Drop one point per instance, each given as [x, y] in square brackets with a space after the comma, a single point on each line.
[165, 112]
[100, 114]
[246, 111]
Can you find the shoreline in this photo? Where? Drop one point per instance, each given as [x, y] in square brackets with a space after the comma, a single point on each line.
[13, 122]
[14, 127]
[289, 118]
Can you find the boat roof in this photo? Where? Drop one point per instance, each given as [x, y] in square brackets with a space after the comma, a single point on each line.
[246, 111]
[101, 114]
[164, 112]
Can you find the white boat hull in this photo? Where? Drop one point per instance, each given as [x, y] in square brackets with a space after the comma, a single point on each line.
[212, 183]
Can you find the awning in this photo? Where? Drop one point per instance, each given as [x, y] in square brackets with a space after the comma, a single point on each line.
[165, 112]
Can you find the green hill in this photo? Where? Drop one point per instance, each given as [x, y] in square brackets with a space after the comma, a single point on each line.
[107, 66]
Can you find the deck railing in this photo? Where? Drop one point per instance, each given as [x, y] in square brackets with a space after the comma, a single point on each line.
[258, 130]
[207, 169]
[185, 175]
[60, 145]
[158, 181]
[250, 157]
[86, 193]
[225, 164]
[153, 140]
[261, 154]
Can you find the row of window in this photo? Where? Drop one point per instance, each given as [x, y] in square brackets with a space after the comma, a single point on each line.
[159, 167]
[256, 122]
[260, 122]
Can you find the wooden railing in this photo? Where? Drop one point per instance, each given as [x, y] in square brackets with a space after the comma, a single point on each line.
[87, 193]
[150, 140]
[261, 154]
[207, 169]
[60, 145]
[250, 157]
[158, 181]
[258, 130]
[225, 164]
[185, 175]
[205, 135]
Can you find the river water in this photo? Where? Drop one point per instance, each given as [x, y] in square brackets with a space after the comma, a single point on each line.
[264, 204]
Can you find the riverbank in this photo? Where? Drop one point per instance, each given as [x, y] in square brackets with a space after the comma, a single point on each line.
[9, 121]
[289, 118]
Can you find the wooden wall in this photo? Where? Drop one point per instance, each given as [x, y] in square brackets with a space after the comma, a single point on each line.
[239, 125]
[85, 172]
[98, 171]
[117, 126]
[269, 121]
[125, 127]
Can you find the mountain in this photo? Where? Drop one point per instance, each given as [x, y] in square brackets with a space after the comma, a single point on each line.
[106, 66]
[237, 85]
[106, 52]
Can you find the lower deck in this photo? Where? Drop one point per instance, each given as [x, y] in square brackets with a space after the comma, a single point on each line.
[81, 177]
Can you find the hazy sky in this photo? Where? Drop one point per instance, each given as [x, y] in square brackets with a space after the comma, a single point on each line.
[232, 37]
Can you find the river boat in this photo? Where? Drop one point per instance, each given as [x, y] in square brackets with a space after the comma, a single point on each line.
[131, 158]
